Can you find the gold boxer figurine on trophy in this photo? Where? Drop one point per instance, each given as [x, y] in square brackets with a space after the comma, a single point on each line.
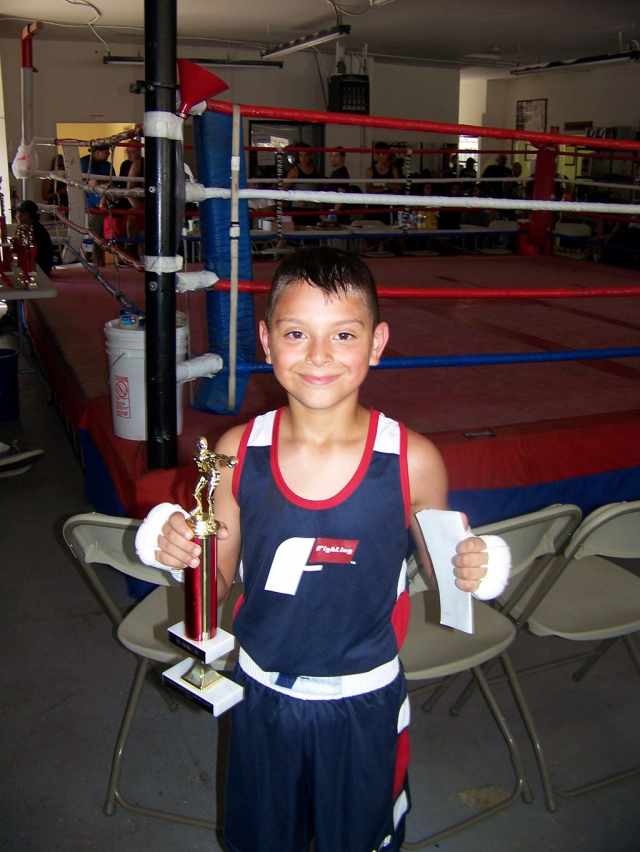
[202, 520]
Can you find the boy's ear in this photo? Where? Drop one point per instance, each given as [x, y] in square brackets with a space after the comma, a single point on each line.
[380, 339]
[263, 331]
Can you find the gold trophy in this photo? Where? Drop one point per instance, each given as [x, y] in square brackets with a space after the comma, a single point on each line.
[198, 634]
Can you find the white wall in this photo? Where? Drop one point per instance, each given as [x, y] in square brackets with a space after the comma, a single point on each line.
[473, 101]
[608, 95]
[73, 84]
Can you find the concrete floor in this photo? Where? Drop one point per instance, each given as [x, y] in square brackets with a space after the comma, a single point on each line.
[64, 681]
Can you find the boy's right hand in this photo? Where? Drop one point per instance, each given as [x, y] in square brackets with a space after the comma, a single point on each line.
[175, 546]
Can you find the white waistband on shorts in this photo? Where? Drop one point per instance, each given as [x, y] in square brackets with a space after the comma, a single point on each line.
[323, 688]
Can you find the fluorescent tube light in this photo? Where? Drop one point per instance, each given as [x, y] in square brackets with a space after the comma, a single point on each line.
[605, 59]
[123, 60]
[308, 41]
[219, 63]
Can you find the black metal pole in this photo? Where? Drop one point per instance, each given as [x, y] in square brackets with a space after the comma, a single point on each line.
[160, 23]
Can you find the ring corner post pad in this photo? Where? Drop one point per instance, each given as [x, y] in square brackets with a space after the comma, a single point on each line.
[442, 531]
[216, 698]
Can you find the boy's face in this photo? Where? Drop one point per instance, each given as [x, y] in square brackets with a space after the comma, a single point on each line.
[321, 348]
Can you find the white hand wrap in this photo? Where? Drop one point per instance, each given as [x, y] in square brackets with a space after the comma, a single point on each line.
[498, 567]
[149, 532]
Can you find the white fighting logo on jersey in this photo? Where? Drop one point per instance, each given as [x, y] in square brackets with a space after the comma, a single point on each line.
[297, 555]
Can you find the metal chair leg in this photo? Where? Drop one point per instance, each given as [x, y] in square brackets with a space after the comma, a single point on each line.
[523, 707]
[125, 729]
[633, 651]
[599, 652]
[514, 751]
[114, 794]
[521, 788]
[437, 694]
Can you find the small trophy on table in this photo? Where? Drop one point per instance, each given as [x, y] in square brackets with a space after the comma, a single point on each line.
[199, 634]
[25, 250]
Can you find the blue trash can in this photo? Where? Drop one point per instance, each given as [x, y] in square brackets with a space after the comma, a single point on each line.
[9, 402]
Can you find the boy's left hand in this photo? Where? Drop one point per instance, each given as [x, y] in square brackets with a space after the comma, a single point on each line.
[470, 563]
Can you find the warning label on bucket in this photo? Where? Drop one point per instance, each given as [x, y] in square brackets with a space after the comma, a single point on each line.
[122, 400]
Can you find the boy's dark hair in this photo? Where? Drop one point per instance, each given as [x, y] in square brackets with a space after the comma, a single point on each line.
[334, 271]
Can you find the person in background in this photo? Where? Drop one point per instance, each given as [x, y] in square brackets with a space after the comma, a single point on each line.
[53, 191]
[133, 167]
[496, 170]
[469, 169]
[29, 214]
[474, 216]
[340, 172]
[450, 216]
[379, 175]
[304, 167]
[515, 190]
[96, 162]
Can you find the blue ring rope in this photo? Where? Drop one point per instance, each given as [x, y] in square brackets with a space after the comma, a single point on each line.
[478, 360]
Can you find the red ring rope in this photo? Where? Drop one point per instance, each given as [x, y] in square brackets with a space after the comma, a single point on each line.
[462, 292]
[543, 139]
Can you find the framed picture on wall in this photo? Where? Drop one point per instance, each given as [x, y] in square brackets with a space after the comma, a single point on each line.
[532, 115]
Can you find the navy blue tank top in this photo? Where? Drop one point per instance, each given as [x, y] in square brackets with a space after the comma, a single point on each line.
[323, 580]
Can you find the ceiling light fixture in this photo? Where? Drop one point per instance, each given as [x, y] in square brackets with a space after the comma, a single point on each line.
[219, 63]
[605, 59]
[308, 41]
[379, 2]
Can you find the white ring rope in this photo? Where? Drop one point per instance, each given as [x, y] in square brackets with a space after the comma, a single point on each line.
[197, 192]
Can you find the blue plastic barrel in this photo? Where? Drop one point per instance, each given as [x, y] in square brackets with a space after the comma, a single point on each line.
[9, 404]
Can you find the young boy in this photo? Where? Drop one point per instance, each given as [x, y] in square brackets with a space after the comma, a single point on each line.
[321, 503]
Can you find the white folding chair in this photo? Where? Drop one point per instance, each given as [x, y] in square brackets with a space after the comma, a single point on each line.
[102, 539]
[433, 651]
[585, 596]
[534, 539]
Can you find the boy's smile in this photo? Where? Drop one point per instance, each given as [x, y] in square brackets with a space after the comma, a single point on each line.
[321, 347]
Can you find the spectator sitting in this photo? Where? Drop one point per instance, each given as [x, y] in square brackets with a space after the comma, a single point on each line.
[340, 172]
[449, 219]
[304, 168]
[28, 214]
[475, 216]
[469, 169]
[378, 176]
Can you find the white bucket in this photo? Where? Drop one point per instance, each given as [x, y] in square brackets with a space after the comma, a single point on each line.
[125, 352]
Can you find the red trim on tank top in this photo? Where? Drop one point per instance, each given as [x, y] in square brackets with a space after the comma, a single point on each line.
[348, 489]
[404, 473]
[242, 449]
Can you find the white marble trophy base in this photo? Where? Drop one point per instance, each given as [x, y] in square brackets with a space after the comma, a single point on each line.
[206, 651]
[216, 699]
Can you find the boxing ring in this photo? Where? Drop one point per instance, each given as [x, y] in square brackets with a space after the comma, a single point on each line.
[497, 469]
